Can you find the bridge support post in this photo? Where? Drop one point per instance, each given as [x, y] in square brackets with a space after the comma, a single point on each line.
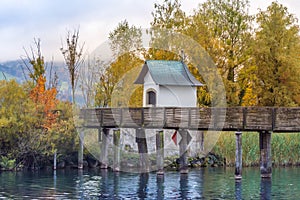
[80, 151]
[265, 154]
[104, 149]
[116, 141]
[99, 135]
[238, 156]
[183, 162]
[160, 152]
[142, 149]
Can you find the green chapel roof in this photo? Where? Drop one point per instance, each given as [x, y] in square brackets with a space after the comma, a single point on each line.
[165, 72]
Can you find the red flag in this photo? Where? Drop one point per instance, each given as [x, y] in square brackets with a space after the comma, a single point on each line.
[174, 137]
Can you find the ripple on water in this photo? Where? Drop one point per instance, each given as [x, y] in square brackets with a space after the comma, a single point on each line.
[208, 183]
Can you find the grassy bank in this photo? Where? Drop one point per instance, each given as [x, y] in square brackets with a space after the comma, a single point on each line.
[285, 148]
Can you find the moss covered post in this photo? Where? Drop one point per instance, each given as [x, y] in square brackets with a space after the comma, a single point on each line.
[160, 152]
[183, 162]
[238, 156]
[104, 148]
[116, 141]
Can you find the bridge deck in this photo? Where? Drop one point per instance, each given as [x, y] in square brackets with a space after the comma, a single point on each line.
[278, 119]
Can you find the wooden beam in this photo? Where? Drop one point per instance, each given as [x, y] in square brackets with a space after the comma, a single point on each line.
[265, 154]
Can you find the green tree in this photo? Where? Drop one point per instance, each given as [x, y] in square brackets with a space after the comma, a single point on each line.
[167, 16]
[276, 53]
[126, 43]
[36, 60]
[21, 135]
[229, 26]
[125, 38]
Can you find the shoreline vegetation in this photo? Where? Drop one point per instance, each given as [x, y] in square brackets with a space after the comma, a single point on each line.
[257, 57]
[285, 148]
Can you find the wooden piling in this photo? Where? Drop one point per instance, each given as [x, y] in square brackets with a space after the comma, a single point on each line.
[80, 150]
[238, 156]
[202, 141]
[54, 159]
[104, 149]
[142, 149]
[265, 154]
[160, 152]
[99, 134]
[116, 141]
[183, 162]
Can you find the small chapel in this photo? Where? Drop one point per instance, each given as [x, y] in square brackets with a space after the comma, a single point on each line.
[168, 84]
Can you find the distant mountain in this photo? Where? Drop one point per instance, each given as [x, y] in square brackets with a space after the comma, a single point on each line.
[5, 76]
[17, 70]
[11, 70]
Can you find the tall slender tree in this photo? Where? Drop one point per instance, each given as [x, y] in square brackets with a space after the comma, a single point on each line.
[276, 53]
[73, 55]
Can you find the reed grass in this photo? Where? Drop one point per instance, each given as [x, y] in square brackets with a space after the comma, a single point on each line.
[285, 148]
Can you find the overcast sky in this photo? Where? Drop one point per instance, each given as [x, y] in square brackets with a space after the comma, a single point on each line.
[23, 20]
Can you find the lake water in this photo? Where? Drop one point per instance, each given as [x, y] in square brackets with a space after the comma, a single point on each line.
[206, 183]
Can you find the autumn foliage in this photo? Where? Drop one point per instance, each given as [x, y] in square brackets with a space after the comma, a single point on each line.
[45, 100]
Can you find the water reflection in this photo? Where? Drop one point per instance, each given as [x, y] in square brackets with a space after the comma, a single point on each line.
[184, 186]
[54, 181]
[265, 188]
[143, 184]
[116, 183]
[104, 184]
[238, 189]
[160, 187]
[80, 183]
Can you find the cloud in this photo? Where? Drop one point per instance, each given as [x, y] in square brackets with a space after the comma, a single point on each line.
[21, 21]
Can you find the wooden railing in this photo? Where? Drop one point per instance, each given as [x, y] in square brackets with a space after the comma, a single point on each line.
[278, 119]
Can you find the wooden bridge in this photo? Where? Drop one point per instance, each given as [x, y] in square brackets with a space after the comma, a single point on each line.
[261, 119]
[227, 119]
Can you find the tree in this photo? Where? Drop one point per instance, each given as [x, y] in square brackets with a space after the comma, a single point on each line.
[276, 53]
[88, 80]
[229, 25]
[126, 43]
[73, 55]
[125, 39]
[36, 60]
[44, 98]
[167, 16]
[248, 82]
[37, 67]
[22, 134]
[45, 101]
